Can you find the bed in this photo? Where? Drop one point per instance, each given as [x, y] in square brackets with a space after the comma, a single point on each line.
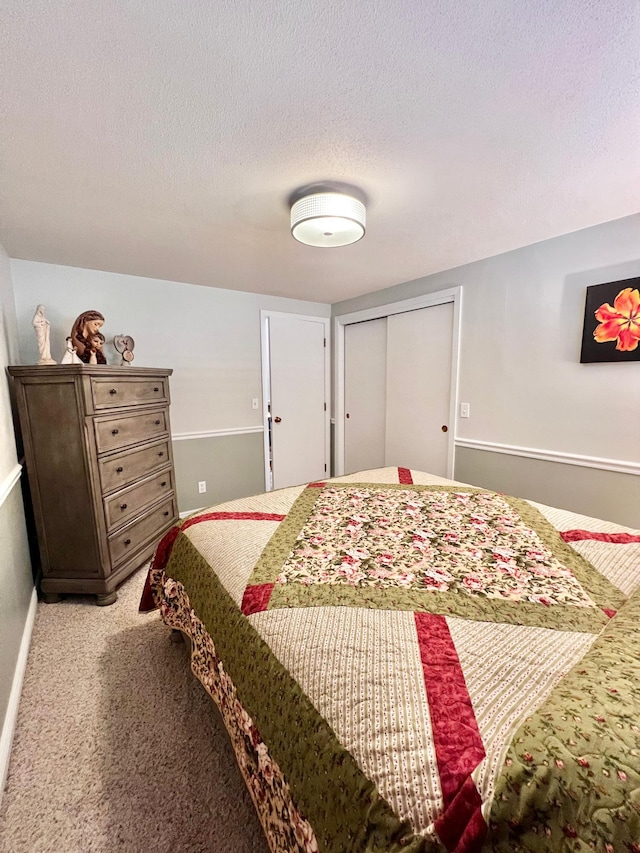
[405, 663]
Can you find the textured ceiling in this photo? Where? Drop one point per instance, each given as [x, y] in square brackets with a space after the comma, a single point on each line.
[163, 138]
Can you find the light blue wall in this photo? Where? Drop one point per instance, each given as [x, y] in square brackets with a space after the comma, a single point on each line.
[210, 337]
[16, 582]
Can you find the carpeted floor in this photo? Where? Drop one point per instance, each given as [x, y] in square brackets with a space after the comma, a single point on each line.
[117, 746]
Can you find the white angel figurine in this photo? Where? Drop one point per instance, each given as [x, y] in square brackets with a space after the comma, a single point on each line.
[70, 355]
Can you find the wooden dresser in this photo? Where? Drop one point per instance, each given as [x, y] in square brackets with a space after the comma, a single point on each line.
[97, 448]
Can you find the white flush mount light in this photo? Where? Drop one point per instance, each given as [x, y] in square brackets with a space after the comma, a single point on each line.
[328, 219]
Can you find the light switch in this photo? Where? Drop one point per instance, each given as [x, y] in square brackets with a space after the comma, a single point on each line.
[465, 410]
[254, 402]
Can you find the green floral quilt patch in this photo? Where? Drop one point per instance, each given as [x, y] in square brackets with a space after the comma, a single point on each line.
[443, 549]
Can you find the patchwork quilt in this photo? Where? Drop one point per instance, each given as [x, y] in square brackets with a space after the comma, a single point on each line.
[405, 663]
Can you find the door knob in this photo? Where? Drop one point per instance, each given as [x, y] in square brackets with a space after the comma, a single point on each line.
[445, 428]
[348, 415]
[277, 420]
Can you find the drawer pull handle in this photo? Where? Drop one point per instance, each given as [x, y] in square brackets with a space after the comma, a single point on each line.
[156, 389]
[127, 541]
[113, 391]
[115, 431]
[161, 453]
[157, 423]
[119, 469]
[163, 483]
[166, 512]
[123, 506]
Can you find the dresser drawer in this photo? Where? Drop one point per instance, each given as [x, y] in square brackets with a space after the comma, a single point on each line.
[141, 532]
[112, 393]
[123, 469]
[121, 431]
[127, 503]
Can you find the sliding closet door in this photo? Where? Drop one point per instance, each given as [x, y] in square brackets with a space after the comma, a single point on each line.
[418, 388]
[365, 358]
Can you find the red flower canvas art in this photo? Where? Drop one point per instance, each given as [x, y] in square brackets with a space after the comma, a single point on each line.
[620, 323]
[611, 329]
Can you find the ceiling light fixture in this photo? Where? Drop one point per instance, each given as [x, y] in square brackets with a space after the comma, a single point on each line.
[328, 219]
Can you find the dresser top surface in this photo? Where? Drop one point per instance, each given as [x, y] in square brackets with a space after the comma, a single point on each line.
[98, 370]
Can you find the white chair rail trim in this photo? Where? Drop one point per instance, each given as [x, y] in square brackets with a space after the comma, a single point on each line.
[215, 433]
[9, 482]
[619, 465]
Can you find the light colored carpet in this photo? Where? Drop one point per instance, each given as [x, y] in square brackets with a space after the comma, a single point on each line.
[117, 746]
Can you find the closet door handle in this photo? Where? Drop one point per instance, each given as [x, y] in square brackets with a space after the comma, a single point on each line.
[277, 420]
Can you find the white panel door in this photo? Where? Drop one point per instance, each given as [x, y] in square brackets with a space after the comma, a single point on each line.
[419, 388]
[298, 416]
[365, 367]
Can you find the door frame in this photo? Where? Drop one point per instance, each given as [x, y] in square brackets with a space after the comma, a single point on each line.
[266, 384]
[428, 300]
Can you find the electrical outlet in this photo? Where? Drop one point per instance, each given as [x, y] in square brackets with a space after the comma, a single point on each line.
[202, 487]
[465, 410]
[254, 402]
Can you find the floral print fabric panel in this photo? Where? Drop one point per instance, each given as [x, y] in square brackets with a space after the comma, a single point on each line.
[468, 542]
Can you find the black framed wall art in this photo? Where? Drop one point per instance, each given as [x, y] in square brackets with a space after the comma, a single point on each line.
[611, 329]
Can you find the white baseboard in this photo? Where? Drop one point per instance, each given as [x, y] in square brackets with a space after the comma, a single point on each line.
[11, 717]
[190, 512]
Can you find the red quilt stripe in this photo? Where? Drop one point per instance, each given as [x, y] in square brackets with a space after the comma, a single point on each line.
[147, 601]
[318, 485]
[163, 551]
[256, 598]
[462, 828]
[457, 740]
[404, 477]
[233, 516]
[618, 538]
[160, 560]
